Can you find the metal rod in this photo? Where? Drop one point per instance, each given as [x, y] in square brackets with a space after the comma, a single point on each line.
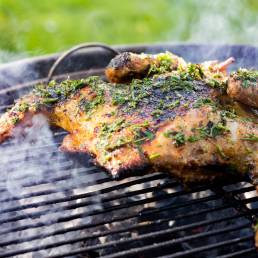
[75, 49]
[87, 195]
[117, 207]
[152, 235]
[122, 217]
[108, 232]
[241, 253]
[210, 247]
[148, 248]
[83, 204]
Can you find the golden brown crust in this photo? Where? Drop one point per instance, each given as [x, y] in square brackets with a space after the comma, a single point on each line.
[246, 95]
[118, 138]
[126, 66]
[226, 149]
[19, 116]
[232, 149]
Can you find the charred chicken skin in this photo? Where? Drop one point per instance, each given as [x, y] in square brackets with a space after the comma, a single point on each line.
[156, 111]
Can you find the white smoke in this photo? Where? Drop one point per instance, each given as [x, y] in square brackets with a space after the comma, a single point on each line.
[24, 163]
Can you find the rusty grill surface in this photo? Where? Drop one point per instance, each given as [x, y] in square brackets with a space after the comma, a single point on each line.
[59, 205]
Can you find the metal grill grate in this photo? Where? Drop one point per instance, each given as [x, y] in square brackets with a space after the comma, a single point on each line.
[59, 205]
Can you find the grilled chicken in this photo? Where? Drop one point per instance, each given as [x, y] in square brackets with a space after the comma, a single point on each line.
[242, 86]
[177, 117]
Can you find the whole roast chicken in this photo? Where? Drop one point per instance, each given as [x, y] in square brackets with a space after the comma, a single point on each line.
[157, 112]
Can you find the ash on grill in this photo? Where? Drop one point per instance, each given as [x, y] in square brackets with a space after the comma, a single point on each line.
[58, 205]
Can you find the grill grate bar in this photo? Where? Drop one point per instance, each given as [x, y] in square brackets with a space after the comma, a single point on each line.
[149, 200]
[251, 199]
[239, 253]
[105, 233]
[241, 190]
[150, 236]
[91, 194]
[82, 170]
[95, 212]
[195, 250]
[205, 248]
[69, 176]
[120, 218]
[135, 215]
[236, 202]
[65, 165]
[65, 188]
[153, 235]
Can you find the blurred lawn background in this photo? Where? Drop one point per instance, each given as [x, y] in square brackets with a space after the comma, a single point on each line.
[36, 27]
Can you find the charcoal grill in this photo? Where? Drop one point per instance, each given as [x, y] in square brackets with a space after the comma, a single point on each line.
[60, 205]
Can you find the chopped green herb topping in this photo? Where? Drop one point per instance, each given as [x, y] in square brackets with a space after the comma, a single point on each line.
[106, 143]
[149, 135]
[212, 130]
[96, 85]
[89, 105]
[193, 138]
[157, 112]
[179, 137]
[228, 114]
[174, 104]
[53, 92]
[250, 137]
[163, 65]
[139, 134]
[144, 92]
[15, 120]
[217, 84]
[49, 100]
[154, 156]
[248, 119]
[23, 107]
[221, 153]
[248, 77]
[117, 125]
[119, 143]
[204, 101]
[195, 71]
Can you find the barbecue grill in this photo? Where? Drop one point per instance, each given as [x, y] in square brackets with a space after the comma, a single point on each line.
[59, 205]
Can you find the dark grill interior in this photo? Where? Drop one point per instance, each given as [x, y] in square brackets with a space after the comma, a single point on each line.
[59, 205]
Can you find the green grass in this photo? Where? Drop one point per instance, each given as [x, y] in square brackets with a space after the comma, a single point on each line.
[44, 26]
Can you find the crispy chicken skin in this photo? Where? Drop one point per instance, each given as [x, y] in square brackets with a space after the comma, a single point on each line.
[176, 119]
[243, 86]
[162, 152]
[18, 117]
[128, 65]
